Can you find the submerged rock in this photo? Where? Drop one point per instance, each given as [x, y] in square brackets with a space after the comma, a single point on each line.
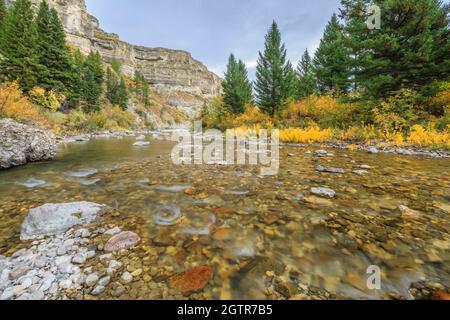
[324, 192]
[141, 143]
[123, 240]
[31, 183]
[192, 280]
[320, 168]
[21, 143]
[53, 219]
[82, 173]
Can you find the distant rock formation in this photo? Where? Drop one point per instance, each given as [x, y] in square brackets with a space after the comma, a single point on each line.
[186, 82]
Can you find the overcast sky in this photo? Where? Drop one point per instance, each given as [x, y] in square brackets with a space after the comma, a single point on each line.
[211, 29]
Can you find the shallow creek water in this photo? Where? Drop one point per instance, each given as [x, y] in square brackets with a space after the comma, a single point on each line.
[248, 228]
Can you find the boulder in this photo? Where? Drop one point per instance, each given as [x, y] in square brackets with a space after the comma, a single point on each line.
[54, 219]
[20, 143]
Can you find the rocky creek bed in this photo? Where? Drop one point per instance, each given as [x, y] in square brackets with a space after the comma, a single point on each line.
[212, 231]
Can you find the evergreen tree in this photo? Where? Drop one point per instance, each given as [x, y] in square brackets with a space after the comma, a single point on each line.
[122, 94]
[52, 51]
[92, 81]
[332, 63]
[307, 84]
[141, 88]
[111, 85]
[75, 87]
[274, 75]
[18, 45]
[237, 89]
[2, 11]
[410, 50]
[116, 89]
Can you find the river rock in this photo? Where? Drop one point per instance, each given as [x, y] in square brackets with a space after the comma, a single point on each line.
[329, 170]
[323, 192]
[192, 280]
[21, 143]
[123, 240]
[126, 278]
[54, 219]
[141, 143]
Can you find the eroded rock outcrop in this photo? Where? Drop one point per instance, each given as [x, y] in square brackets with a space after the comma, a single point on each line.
[186, 82]
[21, 143]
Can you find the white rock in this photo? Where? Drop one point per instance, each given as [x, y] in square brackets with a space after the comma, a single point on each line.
[324, 192]
[126, 278]
[49, 279]
[106, 257]
[98, 290]
[54, 219]
[104, 281]
[65, 284]
[113, 231]
[92, 279]
[141, 144]
[140, 138]
[83, 233]
[26, 282]
[79, 258]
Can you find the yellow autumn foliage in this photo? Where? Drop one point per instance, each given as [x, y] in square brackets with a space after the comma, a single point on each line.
[310, 134]
[13, 104]
[429, 137]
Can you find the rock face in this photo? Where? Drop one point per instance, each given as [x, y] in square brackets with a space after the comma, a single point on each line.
[21, 143]
[53, 219]
[174, 73]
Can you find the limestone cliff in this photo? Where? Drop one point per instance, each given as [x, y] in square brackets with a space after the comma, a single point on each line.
[184, 81]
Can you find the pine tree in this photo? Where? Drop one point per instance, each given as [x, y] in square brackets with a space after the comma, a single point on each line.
[2, 11]
[122, 94]
[92, 81]
[75, 87]
[332, 63]
[141, 88]
[274, 75]
[111, 86]
[410, 50]
[116, 89]
[237, 88]
[18, 45]
[307, 84]
[53, 53]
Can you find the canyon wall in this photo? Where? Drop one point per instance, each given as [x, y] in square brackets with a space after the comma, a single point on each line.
[185, 82]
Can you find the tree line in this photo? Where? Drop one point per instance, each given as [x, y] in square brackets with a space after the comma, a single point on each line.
[33, 51]
[410, 51]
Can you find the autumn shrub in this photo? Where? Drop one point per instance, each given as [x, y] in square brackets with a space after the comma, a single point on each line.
[327, 111]
[311, 134]
[14, 104]
[50, 100]
[429, 137]
[215, 115]
[77, 120]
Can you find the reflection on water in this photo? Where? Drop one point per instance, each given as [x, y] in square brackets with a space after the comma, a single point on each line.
[248, 227]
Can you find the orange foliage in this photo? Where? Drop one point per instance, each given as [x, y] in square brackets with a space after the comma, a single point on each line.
[13, 104]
